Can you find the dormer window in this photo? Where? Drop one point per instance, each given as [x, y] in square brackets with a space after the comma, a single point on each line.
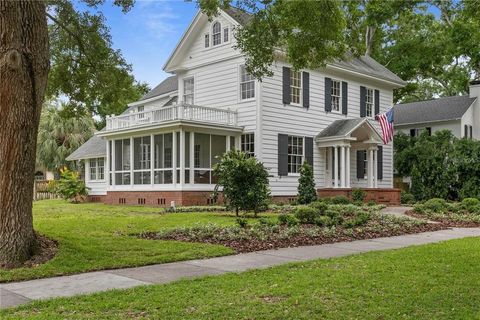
[216, 33]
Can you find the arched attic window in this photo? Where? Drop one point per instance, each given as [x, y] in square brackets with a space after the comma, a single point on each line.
[216, 33]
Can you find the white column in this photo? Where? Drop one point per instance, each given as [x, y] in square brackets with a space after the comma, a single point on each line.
[347, 167]
[192, 153]
[375, 169]
[174, 157]
[113, 163]
[107, 165]
[370, 168]
[342, 166]
[335, 165]
[182, 156]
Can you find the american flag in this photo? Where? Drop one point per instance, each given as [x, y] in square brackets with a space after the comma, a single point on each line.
[386, 123]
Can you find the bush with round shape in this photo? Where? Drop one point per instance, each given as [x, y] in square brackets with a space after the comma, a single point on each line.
[407, 198]
[340, 200]
[320, 206]
[306, 214]
[436, 205]
[288, 219]
[358, 194]
[70, 187]
[469, 203]
[324, 221]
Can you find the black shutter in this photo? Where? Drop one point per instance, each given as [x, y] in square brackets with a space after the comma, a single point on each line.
[282, 154]
[306, 89]
[380, 163]
[309, 150]
[286, 85]
[328, 94]
[360, 164]
[344, 97]
[466, 132]
[377, 102]
[363, 107]
[471, 132]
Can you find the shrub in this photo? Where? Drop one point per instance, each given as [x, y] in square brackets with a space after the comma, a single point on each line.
[306, 185]
[324, 221]
[242, 222]
[319, 205]
[200, 209]
[359, 220]
[407, 198]
[70, 187]
[469, 203]
[288, 219]
[306, 214]
[358, 194]
[335, 216]
[436, 205]
[244, 181]
[475, 209]
[371, 203]
[340, 200]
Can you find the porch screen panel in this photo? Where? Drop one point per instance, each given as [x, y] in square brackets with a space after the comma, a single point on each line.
[122, 162]
[163, 169]
[141, 160]
[187, 157]
[202, 158]
[219, 147]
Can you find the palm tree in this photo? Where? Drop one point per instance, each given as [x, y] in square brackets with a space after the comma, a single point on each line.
[61, 133]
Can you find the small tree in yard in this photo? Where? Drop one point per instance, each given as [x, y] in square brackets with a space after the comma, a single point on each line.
[70, 187]
[244, 181]
[306, 185]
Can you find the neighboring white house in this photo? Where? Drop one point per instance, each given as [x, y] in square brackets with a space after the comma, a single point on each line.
[459, 114]
[163, 147]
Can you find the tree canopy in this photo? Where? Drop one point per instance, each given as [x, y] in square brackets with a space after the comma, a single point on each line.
[85, 68]
[432, 44]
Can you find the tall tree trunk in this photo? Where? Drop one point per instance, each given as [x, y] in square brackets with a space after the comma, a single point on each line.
[369, 36]
[24, 65]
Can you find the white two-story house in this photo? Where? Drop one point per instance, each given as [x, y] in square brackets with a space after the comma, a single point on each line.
[163, 147]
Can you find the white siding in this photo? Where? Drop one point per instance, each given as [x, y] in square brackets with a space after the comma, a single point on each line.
[278, 118]
[454, 126]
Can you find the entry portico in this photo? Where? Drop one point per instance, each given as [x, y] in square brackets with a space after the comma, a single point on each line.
[339, 140]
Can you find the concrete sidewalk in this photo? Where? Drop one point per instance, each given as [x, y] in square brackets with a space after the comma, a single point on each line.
[16, 293]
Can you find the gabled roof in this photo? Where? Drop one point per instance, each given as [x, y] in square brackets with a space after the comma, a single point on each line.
[239, 15]
[168, 85]
[340, 128]
[95, 147]
[443, 109]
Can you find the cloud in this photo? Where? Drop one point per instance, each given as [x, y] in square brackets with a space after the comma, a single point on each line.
[158, 17]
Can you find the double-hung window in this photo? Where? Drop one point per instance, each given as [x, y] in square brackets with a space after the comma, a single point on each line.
[93, 169]
[369, 102]
[336, 95]
[225, 34]
[188, 90]
[295, 87]
[97, 169]
[295, 154]
[247, 84]
[207, 40]
[216, 34]
[248, 144]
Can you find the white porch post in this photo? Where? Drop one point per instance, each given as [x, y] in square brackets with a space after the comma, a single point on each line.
[375, 169]
[335, 165]
[342, 166]
[107, 165]
[347, 167]
[370, 168]
[174, 157]
[113, 163]
[182, 156]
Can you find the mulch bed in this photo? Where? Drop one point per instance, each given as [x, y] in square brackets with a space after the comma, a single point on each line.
[447, 222]
[45, 251]
[302, 239]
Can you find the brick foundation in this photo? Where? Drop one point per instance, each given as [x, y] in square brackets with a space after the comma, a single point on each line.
[160, 198]
[387, 196]
[96, 198]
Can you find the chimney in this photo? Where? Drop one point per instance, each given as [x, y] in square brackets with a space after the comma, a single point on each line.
[475, 89]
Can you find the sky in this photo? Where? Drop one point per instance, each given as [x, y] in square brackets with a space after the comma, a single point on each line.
[148, 33]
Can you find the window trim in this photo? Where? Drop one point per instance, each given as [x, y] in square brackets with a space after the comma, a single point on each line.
[300, 95]
[97, 169]
[249, 144]
[227, 30]
[372, 110]
[192, 78]
[340, 96]
[295, 174]
[214, 34]
[206, 40]
[240, 83]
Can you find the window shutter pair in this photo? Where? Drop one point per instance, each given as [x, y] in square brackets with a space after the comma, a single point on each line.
[305, 87]
[283, 153]
[361, 163]
[363, 102]
[328, 96]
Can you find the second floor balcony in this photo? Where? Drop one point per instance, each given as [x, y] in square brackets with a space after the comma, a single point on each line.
[187, 112]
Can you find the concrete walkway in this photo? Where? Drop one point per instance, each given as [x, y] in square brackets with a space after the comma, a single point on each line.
[16, 293]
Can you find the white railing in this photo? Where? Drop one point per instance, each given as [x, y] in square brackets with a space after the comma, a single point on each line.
[170, 113]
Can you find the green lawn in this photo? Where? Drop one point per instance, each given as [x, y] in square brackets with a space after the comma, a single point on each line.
[438, 281]
[96, 236]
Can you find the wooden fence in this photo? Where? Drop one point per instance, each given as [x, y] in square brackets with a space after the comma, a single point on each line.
[41, 192]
